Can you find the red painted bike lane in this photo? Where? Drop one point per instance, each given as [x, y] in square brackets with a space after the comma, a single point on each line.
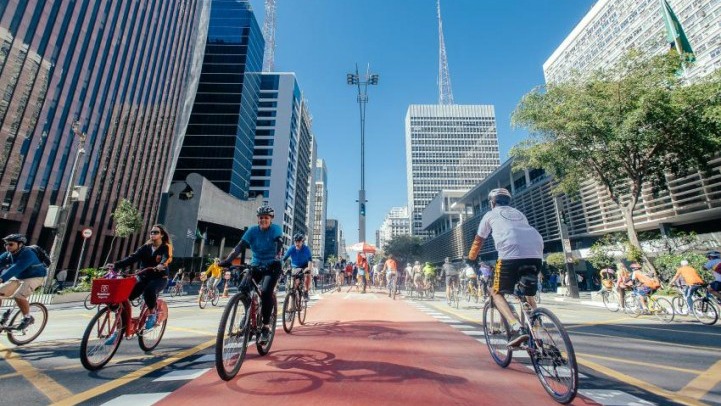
[368, 349]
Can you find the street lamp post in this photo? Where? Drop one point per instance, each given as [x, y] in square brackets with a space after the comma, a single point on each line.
[64, 211]
[355, 79]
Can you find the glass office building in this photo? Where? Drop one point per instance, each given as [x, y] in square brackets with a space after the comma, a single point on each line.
[119, 68]
[218, 143]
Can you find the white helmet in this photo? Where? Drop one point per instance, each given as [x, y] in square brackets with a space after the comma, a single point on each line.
[499, 196]
[684, 263]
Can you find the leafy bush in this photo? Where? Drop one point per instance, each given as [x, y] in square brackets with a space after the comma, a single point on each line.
[667, 264]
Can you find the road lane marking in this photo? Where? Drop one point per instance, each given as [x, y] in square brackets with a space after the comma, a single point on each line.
[101, 389]
[46, 385]
[649, 387]
[702, 384]
[643, 364]
[671, 330]
[693, 347]
[598, 323]
[192, 330]
[182, 375]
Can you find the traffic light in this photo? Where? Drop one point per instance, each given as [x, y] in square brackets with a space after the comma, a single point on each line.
[363, 209]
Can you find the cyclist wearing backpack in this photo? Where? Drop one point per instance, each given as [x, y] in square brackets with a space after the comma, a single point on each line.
[647, 284]
[22, 273]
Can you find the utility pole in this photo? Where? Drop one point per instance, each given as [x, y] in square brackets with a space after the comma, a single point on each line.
[355, 79]
[64, 211]
[566, 243]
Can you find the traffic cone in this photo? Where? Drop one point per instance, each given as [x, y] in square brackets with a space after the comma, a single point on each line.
[225, 289]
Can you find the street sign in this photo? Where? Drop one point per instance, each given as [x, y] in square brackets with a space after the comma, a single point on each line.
[87, 233]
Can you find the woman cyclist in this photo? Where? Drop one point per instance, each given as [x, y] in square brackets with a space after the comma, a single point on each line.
[156, 253]
[266, 243]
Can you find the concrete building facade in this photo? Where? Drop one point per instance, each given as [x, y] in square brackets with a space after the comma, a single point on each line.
[397, 222]
[320, 212]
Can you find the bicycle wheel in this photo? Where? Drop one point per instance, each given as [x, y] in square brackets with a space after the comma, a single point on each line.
[662, 309]
[289, 312]
[101, 338]
[679, 305]
[431, 291]
[87, 303]
[216, 297]
[610, 300]
[705, 311]
[552, 356]
[302, 310]
[263, 349]
[633, 306]
[203, 298]
[38, 312]
[497, 334]
[149, 339]
[231, 343]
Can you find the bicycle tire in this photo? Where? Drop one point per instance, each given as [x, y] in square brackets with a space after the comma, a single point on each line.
[40, 313]
[704, 311]
[610, 301]
[633, 306]
[87, 304]
[550, 350]
[108, 322]
[264, 348]
[288, 312]
[431, 291]
[203, 299]
[149, 339]
[497, 333]
[663, 310]
[216, 297]
[679, 304]
[302, 310]
[230, 351]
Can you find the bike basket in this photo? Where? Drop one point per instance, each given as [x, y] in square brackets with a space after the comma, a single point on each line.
[108, 291]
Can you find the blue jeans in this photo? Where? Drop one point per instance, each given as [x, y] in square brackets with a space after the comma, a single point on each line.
[690, 290]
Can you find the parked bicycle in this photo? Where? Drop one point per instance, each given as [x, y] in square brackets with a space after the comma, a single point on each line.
[241, 320]
[207, 293]
[10, 322]
[114, 320]
[548, 345]
[295, 302]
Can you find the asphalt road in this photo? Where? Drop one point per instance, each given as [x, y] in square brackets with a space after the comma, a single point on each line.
[623, 360]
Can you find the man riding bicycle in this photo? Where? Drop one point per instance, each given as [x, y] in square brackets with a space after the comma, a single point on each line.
[300, 256]
[266, 243]
[24, 273]
[429, 275]
[391, 270]
[692, 280]
[520, 254]
[451, 274]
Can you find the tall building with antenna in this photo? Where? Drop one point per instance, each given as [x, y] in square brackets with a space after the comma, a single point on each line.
[448, 146]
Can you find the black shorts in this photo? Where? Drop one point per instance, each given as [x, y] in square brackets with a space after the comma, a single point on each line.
[450, 278]
[509, 271]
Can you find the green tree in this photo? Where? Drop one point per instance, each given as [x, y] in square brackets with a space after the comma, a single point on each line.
[404, 248]
[624, 128]
[332, 260]
[668, 262]
[557, 260]
[128, 221]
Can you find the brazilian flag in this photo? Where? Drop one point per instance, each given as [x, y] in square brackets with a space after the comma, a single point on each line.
[674, 33]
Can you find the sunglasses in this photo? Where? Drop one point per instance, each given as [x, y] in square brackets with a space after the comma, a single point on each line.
[155, 232]
[7, 244]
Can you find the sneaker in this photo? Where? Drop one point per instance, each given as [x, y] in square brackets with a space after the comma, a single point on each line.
[111, 338]
[517, 338]
[150, 321]
[26, 322]
[264, 335]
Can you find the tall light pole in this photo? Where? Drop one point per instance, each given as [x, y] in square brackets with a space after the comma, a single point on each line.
[64, 211]
[362, 84]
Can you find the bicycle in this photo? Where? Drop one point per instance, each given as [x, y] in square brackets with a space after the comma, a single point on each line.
[242, 319]
[548, 345]
[106, 329]
[455, 293]
[705, 309]
[10, 322]
[295, 302]
[429, 288]
[392, 281]
[659, 307]
[177, 289]
[611, 300]
[207, 294]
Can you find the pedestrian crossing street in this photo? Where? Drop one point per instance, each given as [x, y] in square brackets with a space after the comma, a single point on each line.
[171, 379]
[606, 397]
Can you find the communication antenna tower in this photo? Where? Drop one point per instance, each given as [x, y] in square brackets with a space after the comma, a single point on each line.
[269, 35]
[445, 93]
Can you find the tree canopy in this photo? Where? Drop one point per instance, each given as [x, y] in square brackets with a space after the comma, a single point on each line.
[127, 218]
[626, 128]
[404, 248]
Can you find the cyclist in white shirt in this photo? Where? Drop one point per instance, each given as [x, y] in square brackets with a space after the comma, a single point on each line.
[520, 253]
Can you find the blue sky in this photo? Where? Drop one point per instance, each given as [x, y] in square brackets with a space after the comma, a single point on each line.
[496, 50]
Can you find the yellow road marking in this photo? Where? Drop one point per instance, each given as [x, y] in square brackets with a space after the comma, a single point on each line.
[702, 384]
[99, 390]
[191, 330]
[597, 323]
[643, 364]
[670, 330]
[676, 397]
[693, 347]
[46, 385]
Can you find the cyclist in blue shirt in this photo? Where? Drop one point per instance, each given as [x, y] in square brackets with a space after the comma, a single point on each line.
[300, 257]
[266, 243]
[22, 273]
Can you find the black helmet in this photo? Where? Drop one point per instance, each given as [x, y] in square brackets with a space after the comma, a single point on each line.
[713, 254]
[500, 196]
[265, 211]
[298, 237]
[19, 238]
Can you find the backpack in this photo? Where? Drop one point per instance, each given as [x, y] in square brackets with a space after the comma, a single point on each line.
[41, 254]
